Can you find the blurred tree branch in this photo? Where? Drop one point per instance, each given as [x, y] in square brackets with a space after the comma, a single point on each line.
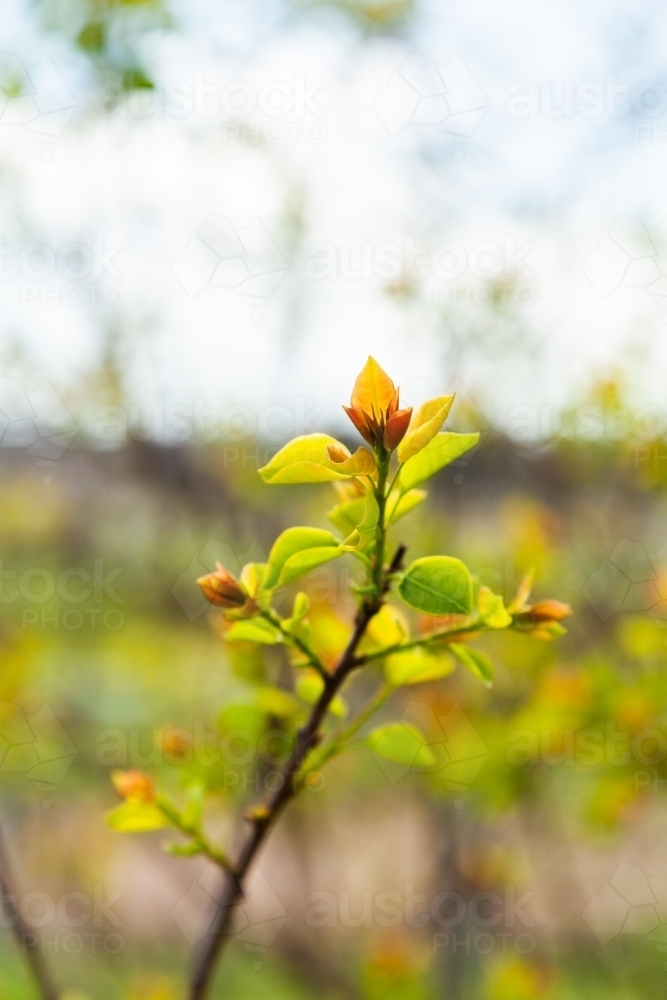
[28, 942]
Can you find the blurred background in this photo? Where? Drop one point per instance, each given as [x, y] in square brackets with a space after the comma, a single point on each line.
[211, 213]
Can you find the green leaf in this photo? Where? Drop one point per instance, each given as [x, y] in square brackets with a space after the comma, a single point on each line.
[301, 563]
[309, 685]
[364, 533]
[477, 663]
[301, 606]
[300, 609]
[304, 460]
[438, 585]
[443, 449]
[136, 817]
[492, 609]
[192, 814]
[416, 666]
[92, 37]
[242, 715]
[398, 504]
[346, 516]
[252, 577]
[275, 701]
[403, 743]
[254, 630]
[183, 850]
[293, 542]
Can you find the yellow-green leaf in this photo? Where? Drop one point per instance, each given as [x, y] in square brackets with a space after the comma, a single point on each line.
[347, 515]
[492, 609]
[300, 609]
[477, 663]
[282, 566]
[275, 701]
[388, 627]
[399, 504]
[364, 533]
[304, 460]
[417, 666]
[252, 577]
[402, 743]
[443, 449]
[136, 817]
[438, 585]
[425, 423]
[254, 630]
[302, 562]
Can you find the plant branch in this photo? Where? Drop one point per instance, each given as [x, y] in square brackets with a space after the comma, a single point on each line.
[198, 837]
[25, 936]
[422, 640]
[307, 738]
[336, 745]
[294, 641]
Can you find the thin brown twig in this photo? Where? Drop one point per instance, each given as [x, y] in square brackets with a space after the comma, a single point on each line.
[26, 938]
[307, 738]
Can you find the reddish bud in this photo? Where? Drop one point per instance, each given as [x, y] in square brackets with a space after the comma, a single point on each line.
[134, 785]
[549, 611]
[175, 742]
[222, 589]
[396, 428]
[359, 419]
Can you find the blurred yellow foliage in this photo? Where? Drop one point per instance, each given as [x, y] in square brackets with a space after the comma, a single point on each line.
[518, 979]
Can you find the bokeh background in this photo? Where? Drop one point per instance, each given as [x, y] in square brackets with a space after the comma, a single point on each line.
[211, 213]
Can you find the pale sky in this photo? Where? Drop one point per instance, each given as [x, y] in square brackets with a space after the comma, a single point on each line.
[523, 139]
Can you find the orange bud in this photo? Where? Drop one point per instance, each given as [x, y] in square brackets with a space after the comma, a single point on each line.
[549, 611]
[373, 390]
[175, 742]
[222, 589]
[396, 428]
[134, 785]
